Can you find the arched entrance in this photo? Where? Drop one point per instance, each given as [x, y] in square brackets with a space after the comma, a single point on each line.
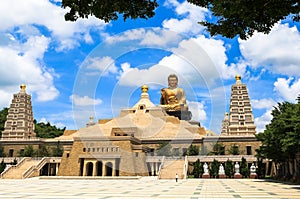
[99, 168]
[89, 169]
[108, 169]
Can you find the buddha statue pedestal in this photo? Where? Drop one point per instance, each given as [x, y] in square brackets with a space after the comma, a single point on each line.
[182, 115]
[205, 175]
[222, 176]
[253, 175]
[237, 176]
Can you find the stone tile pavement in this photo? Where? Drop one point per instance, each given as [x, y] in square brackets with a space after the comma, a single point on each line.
[145, 188]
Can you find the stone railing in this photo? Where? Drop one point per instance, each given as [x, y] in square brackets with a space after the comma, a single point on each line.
[185, 168]
[221, 158]
[160, 167]
[14, 166]
[40, 165]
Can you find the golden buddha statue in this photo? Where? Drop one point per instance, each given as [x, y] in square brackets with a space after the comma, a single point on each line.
[173, 98]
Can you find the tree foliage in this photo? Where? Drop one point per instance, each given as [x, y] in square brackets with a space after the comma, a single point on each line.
[43, 130]
[244, 170]
[58, 150]
[234, 150]
[214, 168]
[231, 17]
[218, 149]
[229, 168]
[29, 151]
[193, 150]
[3, 115]
[2, 153]
[108, 10]
[164, 149]
[281, 139]
[2, 166]
[235, 17]
[198, 169]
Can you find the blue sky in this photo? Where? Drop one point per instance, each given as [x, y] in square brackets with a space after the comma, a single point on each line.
[77, 69]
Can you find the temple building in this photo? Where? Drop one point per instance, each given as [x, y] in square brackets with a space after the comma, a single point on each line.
[122, 145]
[19, 123]
[240, 120]
[130, 144]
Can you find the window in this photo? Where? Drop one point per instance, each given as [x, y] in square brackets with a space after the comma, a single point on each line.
[249, 151]
[84, 149]
[68, 155]
[136, 154]
[11, 153]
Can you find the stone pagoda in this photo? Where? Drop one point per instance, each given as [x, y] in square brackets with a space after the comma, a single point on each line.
[19, 123]
[240, 120]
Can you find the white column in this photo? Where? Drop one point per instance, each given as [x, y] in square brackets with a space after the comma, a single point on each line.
[94, 168]
[152, 168]
[113, 168]
[103, 168]
[84, 168]
[56, 165]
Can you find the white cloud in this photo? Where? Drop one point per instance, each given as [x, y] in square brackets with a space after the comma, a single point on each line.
[84, 100]
[288, 89]
[199, 61]
[263, 103]
[21, 63]
[197, 109]
[191, 16]
[147, 37]
[27, 14]
[106, 65]
[263, 120]
[277, 51]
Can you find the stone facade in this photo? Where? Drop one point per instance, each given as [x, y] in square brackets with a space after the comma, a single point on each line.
[120, 146]
[19, 123]
[240, 120]
[127, 145]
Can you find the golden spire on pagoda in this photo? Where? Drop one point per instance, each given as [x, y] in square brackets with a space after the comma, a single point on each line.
[144, 88]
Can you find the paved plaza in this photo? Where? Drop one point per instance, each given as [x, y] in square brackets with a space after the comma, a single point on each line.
[145, 188]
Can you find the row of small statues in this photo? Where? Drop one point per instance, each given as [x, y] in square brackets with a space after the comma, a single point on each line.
[236, 169]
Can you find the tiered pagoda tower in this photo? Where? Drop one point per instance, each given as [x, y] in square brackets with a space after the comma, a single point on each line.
[19, 123]
[240, 120]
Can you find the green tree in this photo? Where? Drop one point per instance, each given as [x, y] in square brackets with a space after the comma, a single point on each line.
[43, 151]
[164, 149]
[214, 168]
[218, 149]
[58, 150]
[281, 138]
[2, 153]
[109, 10]
[198, 169]
[43, 130]
[28, 151]
[229, 168]
[193, 150]
[232, 17]
[234, 150]
[244, 170]
[3, 115]
[204, 150]
[2, 166]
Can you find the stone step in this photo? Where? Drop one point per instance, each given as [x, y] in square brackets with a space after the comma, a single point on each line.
[170, 168]
[17, 173]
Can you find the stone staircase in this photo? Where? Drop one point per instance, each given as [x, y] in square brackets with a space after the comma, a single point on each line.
[16, 172]
[171, 167]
